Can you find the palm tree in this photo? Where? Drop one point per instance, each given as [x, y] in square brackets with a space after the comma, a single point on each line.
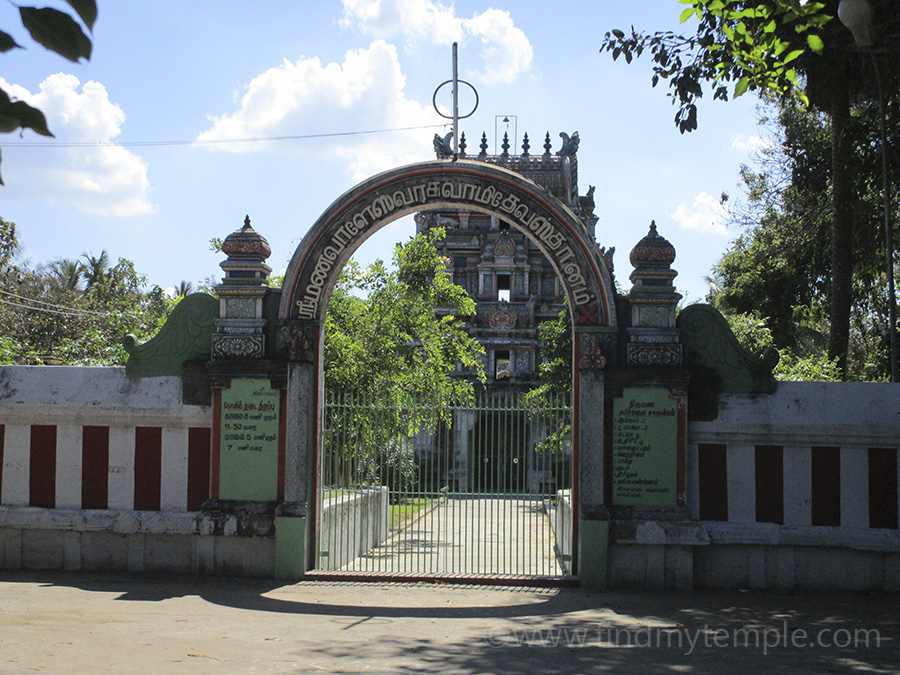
[96, 268]
[68, 272]
[184, 288]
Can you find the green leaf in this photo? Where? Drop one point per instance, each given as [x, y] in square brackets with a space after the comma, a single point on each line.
[57, 31]
[741, 87]
[793, 55]
[19, 115]
[686, 14]
[86, 9]
[815, 43]
[7, 43]
[619, 34]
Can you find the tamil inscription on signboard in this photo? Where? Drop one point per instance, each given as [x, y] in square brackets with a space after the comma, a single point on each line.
[248, 451]
[645, 448]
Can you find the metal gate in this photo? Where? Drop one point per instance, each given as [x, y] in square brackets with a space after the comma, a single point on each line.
[481, 491]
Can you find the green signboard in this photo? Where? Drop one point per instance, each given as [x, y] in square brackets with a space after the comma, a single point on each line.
[645, 448]
[248, 450]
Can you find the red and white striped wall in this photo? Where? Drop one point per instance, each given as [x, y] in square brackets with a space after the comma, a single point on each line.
[798, 485]
[812, 454]
[90, 438]
[124, 468]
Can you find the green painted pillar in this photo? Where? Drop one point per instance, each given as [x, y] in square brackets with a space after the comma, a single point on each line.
[593, 553]
[290, 542]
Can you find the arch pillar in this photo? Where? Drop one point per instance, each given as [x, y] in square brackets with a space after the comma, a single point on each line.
[591, 346]
[295, 517]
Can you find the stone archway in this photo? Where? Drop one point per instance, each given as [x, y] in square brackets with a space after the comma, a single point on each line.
[345, 226]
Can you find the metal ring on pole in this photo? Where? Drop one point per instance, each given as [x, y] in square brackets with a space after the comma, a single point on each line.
[450, 117]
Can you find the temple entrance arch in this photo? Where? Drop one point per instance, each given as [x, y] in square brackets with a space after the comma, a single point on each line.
[465, 185]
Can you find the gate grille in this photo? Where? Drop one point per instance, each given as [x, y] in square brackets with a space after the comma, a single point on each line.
[474, 494]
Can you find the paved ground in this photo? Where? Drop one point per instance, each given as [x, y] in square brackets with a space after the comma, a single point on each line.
[77, 623]
[470, 535]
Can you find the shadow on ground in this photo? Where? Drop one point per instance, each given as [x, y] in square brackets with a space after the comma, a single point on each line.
[407, 628]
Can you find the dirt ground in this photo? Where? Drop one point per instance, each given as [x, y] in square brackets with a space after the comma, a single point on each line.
[87, 623]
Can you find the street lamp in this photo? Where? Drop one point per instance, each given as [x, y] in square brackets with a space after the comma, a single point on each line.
[856, 15]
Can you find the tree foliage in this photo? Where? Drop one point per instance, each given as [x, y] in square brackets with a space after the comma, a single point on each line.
[59, 32]
[755, 336]
[397, 358]
[555, 391]
[782, 47]
[401, 334]
[780, 267]
[48, 318]
[750, 45]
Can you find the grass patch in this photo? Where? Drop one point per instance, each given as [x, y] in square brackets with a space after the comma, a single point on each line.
[406, 509]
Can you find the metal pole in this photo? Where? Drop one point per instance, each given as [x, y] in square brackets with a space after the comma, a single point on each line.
[455, 103]
[888, 232]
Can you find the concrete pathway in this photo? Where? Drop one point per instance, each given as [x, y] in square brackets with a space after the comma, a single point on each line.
[468, 534]
[55, 622]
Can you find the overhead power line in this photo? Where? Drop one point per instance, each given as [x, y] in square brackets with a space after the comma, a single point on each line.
[212, 141]
[49, 307]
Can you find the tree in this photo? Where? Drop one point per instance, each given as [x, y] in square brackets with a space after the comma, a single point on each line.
[58, 32]
[555, 370]
[393, 343]
[779, 268]
[400, 333]
[754, 44]
[184, 288]
[68, 272]
[48, 318]
[95, 268]
[753, 334]
[781, 47]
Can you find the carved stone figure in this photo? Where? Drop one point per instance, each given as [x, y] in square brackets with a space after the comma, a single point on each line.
[442, 147]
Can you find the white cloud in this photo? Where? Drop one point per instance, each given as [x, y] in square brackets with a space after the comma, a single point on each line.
[505, 49]
[706, 215]
[750, 144]
[410, 18]
[363, 93]
[106, 180]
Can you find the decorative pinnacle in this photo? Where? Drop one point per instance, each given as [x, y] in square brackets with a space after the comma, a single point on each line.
[547, 145]
[484, 144]
[462, 144]
[246, 222]
[505, 144]
[525, 145]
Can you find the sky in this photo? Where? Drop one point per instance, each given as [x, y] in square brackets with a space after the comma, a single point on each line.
[153, 158]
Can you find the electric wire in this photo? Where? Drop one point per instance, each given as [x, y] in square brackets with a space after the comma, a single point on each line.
[48, 307]
[212, 141]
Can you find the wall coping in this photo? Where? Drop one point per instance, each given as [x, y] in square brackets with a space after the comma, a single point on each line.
[807, 413]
